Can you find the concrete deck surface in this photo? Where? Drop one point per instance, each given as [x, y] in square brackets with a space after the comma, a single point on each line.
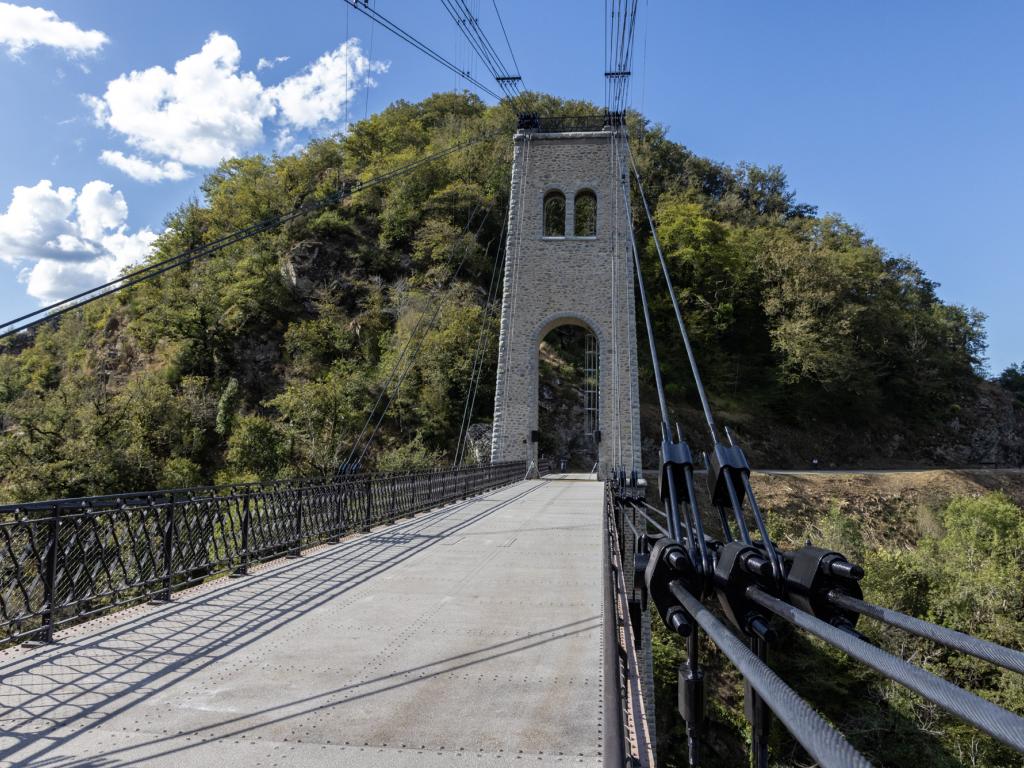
[466, 636]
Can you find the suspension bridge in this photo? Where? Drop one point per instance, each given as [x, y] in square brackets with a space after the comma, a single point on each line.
[486, 614]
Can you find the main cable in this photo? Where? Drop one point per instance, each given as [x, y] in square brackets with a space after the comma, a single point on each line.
[469, 25]
[419, 45]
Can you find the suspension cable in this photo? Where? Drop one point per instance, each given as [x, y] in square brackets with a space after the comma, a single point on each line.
[981, 713]
[150, 271]
[412, 358]
[377, 16]
[483, 340]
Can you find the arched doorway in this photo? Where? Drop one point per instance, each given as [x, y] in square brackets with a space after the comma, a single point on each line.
[568, 423]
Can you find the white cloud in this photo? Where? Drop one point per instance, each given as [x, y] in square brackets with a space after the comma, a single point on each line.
[143, 170]
[270, 63]
[100, 208]
[207, 110]
[285, 143]
[22, 27]
[201, 113]
[67, 241]
[36, 219]
[320, 93]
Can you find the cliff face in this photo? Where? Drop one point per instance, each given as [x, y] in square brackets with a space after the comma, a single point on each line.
[985, 428]
[989, 429]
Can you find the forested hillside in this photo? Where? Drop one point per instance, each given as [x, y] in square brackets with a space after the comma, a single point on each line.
[264, 360]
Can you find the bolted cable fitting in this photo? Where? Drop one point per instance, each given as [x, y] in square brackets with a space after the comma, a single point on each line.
[740, 566]
[668, 563]
[813, 574]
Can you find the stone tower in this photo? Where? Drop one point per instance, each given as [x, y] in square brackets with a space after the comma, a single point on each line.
[567, 263]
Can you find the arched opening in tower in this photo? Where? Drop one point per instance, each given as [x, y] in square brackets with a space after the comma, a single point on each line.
[567, 398]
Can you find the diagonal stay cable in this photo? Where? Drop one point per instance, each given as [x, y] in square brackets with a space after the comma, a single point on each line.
[415, 351]
[396, 366]
[58, 308]
[419, 45]
[478, 356]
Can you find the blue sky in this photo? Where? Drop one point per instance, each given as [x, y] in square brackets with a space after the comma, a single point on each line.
[906, 117]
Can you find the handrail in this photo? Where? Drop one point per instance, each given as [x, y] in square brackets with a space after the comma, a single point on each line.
[66, 560]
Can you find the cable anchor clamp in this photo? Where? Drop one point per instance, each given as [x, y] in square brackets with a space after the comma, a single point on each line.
[678, 455]
[814, 572]
[727, 461]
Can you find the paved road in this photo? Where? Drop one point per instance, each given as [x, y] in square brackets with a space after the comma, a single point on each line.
[467, 636]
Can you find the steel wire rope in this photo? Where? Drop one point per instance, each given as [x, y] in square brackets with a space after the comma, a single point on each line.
[476, 373]
[823, 742]
[988, 717]
[1000, 655]
[469, 25]
[673, 512]
[461, 16]
[419, 45]
[412, 357]
[366, 90]
[59, 308]
[773, 555]
[347, 465]
[464, 18]
[508, 42]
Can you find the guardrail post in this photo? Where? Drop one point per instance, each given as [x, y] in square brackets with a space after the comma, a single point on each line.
[297, 550]
[339, 503]
[367, 522]
[243, 567]
[50, 578]
[395, 505]
[168, 547]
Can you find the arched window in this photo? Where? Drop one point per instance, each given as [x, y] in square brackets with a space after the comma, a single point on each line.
[585, 216]
[554, 214]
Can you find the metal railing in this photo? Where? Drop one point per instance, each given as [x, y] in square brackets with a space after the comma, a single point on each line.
[67, 560]
[818, 594]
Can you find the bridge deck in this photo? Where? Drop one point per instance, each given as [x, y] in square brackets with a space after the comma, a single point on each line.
[468, 636]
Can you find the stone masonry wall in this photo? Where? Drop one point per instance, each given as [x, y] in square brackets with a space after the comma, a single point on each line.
[586, 281]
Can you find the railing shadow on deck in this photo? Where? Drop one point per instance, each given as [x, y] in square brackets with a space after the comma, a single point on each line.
[324, 700]
[147, 653]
